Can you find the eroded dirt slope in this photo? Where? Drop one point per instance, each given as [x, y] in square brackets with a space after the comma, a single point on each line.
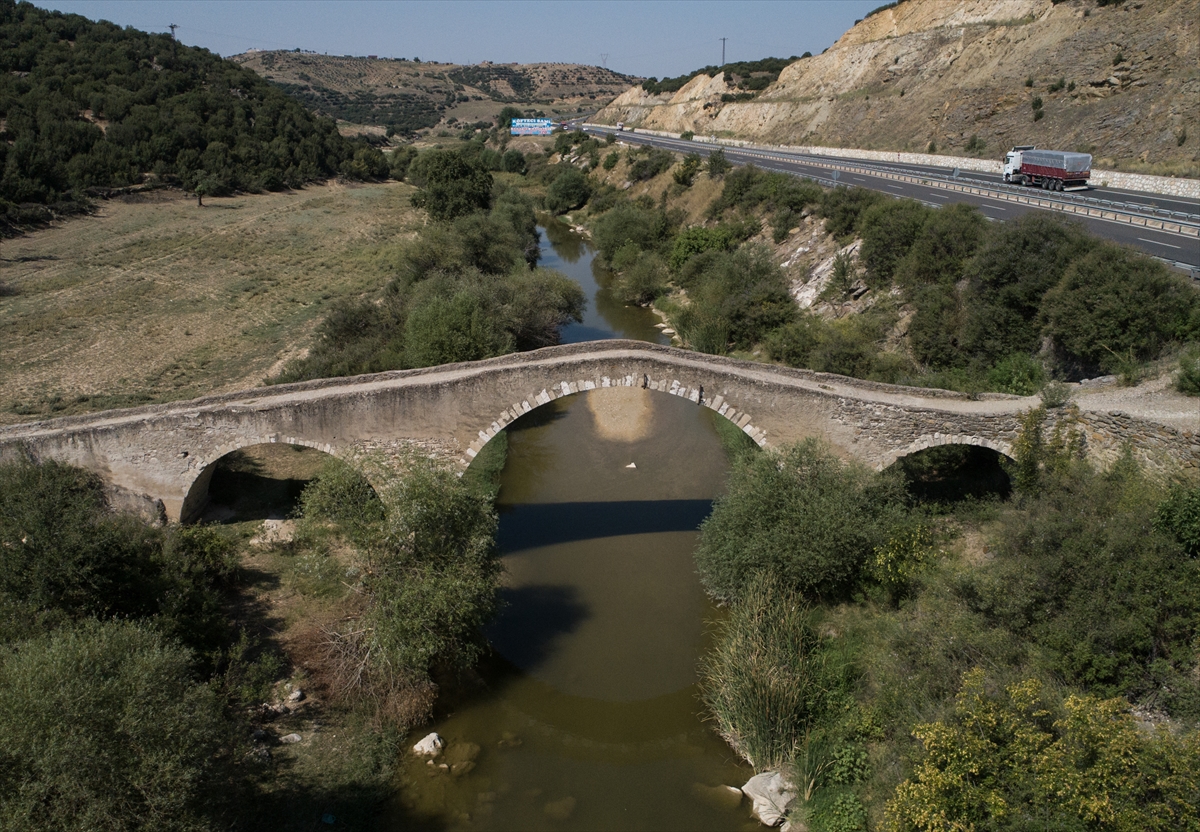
[1121, 82]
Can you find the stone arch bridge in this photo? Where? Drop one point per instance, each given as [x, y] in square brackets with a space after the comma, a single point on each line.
[163, 455]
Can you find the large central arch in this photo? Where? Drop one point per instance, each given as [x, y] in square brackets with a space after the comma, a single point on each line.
[666, 384]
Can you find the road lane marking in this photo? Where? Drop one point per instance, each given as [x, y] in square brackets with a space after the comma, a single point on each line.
[939, 196]
[859, 178]
[1157, 243]
[897, 187]
[994, 207]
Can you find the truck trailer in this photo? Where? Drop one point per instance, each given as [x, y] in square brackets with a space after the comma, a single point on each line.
[1053, 170]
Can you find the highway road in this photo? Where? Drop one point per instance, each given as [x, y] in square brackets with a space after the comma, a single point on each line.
[997, 201]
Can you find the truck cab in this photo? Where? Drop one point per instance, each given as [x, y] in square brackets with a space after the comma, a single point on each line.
[1012, 163]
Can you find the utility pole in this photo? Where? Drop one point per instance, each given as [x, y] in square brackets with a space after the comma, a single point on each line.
[723, 50]
[173, 27]
[604, 59]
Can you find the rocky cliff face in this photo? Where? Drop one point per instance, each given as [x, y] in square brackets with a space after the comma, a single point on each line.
[1121, 82]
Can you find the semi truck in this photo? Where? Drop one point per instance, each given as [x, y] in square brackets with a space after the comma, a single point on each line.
[1053, 170]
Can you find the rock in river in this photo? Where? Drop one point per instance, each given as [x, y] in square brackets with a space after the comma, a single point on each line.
[430, 746]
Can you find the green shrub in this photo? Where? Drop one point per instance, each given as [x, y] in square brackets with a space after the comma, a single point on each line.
[445, 328]
[450, 184]
[948, 238]
[610, 161]
[1179, 516]
[1014, 267]
[793, 343]
[842, 207]
[769, 677]
[889, 229]
[399, 161]
[1072, 763]
[1188, 379]
[626, 223]
[717, 164]
[933, 332]
[1088, 574]
[801, 515]
[642, 281]
[1112, 302]
[104, 729]
[686, 172]
[693, 241]
[340, 494]
[1018, 374]
[647, 163]
[569, 190]
[64, 556]
[744, 288]
[703, 330]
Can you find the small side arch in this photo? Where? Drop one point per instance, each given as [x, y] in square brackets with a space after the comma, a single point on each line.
[934, 440]
[668, 385]
[196, 497]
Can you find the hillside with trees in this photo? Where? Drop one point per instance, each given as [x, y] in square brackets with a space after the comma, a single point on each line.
[87, 107]
[403, 96]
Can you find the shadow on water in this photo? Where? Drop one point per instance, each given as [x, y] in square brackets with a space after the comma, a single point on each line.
[543, 524]
[535, 618]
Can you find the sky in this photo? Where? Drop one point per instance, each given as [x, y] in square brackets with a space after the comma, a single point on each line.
[659, 38]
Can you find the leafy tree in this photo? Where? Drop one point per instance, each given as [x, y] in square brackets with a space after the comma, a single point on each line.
[105, 729]
[400, 160]
[1088, 575]
[506, 115]
[687, 170]
[451, 186]
[1112, 303]
[842, 207]
[448, 324]
[946, 241]
[889, 229]
[1017, 263]
[801, 515]
[717, 164]
[569, 190]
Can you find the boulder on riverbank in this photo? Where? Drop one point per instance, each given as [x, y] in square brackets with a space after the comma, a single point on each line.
[771, 794]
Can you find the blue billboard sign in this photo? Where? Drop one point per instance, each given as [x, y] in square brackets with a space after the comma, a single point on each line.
[532, 127]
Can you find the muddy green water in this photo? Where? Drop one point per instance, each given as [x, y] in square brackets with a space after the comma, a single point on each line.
[588, 716]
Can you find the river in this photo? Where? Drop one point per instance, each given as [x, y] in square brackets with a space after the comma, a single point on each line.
[588, 715]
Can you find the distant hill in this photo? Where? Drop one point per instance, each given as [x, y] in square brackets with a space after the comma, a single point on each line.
[409, 96]
[1120, 80]
[87, 106]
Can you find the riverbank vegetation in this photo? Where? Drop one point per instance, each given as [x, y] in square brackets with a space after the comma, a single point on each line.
[88, 107]
[164, 658]
[927, 297]
[978, 664]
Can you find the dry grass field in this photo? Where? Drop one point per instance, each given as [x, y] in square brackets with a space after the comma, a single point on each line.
[155, 299]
